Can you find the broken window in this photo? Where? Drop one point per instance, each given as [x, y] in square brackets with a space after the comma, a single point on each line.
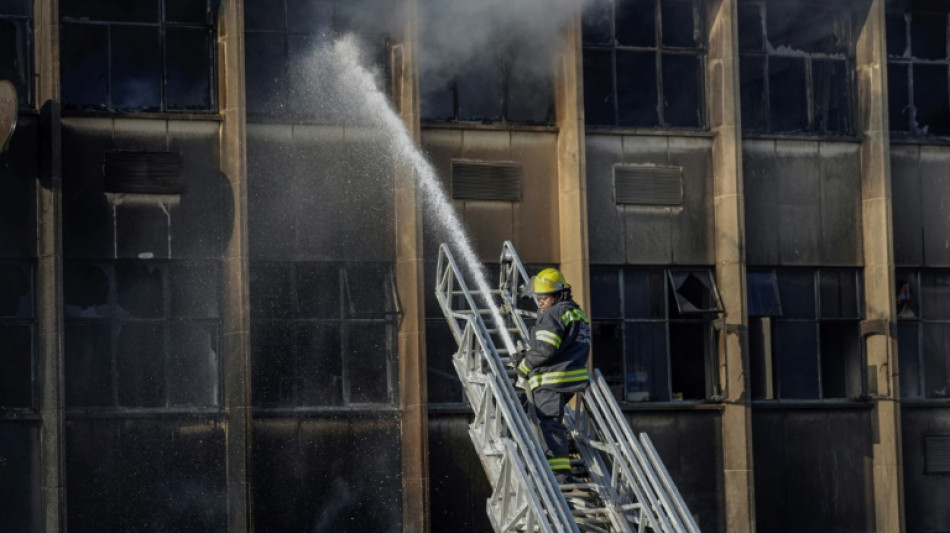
[796, 65]
[138, 56]
[17, 333]
[323, 334]
[917, 68]
[16, 48]
[505, 76]
[804, 333]
[288, 61]
[644, 63]
[653, 332]
[923, 332]
[142, 334]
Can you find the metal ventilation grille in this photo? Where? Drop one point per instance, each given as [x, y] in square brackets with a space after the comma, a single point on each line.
[937, 454]
[143, 172]
[486, 181]
[642, 185]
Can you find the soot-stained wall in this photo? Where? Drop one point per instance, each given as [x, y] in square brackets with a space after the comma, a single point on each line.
[532, 223]
[458, 487]
[802, 203]
[926, 490]
[634, 234]
[920, 183]
[142, 295]
[812, 469]
[20, 481]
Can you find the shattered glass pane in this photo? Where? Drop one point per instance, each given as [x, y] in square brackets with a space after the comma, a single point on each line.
[88, 364]
[636, 87]
[607, 335]
[762, 293]
[188, 72]
[16, 291]
[597, 22]
[898, 105]
[193, 359]
[795, 26]
[136, 68]
[598, 88]
[750, 27]
[897, 44]
[908, 350]
[796, 345]
[797, 292]
[682, 90]
[272, 363]
[928, 35]
[840, 357]
[688, 360]
[139, 289]
[755, 108]
[647, 367]
[319, 365]
[84, 66]
[839, 294]
[369, 348]
[644, 294]
[788, 103]
[605, 293]
[140, 364]
[931, 99]
[679, 26]
[830, 93]
[636, 22]
[318, 289]
[16, 366]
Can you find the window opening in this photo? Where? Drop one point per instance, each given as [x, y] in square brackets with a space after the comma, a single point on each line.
[796, 67]
[644, 63]
[138, 56]
[16, 48]
[923, 332]
[917, 68]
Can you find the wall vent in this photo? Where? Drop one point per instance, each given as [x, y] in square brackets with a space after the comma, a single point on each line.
[648, 185]
[497, 181]
[143, 172]
[937, 454]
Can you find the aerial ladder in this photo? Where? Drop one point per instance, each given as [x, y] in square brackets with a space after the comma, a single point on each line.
[623, 485]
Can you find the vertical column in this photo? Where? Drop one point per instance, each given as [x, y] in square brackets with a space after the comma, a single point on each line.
[572, 177]
[880, 323]
[410, 286]
[49, 272]
[726, 124]
[236, 320]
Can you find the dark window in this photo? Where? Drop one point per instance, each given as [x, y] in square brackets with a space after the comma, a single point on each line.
[288, 69]
[923, 333]
[653, 332]
[17, 327]
[323, 334]
[154, 56]
[917, 68]
[506, 77]
[16, 47]
[796, 64]
[644, 63]
[804, 334]
[142, 334]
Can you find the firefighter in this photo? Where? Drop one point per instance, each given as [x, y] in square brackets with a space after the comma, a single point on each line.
[555, 365]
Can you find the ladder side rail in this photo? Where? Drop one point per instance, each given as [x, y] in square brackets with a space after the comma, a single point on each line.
[603, 476]
[485, 353]
[667, 481]
[488, 401]
[632, 451]
[511, 274]
[629, 474]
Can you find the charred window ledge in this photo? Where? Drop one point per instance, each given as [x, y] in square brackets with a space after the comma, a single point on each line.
[652, 132]
[802, 137]
[920, 141]
[163, 412]
[930, 403]
[96, 113]
[812, 404]
[370, 411]
[685, 405]
[498, 126]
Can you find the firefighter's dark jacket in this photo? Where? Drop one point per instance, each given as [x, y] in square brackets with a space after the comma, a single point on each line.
[560, 341]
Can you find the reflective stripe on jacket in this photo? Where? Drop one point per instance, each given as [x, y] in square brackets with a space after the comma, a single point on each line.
[560, 341]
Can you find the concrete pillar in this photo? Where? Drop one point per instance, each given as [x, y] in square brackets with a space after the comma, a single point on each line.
[571, 162]
[49, 272]
[236, 319]
[410, 286]
[879, 329]
[726, 124]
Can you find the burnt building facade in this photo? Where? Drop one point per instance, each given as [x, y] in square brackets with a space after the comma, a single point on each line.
[216, 281]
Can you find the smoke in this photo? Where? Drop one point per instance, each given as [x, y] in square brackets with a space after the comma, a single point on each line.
[460, 35]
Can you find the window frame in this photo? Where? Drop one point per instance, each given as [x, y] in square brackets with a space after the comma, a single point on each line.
[659, 49]
[767, 51]
[917, 320]
[768, 379]
[162, 26]
[663, 313]
[29, 321]
[27, 86]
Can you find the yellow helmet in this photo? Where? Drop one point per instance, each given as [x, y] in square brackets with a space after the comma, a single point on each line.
[549, 281]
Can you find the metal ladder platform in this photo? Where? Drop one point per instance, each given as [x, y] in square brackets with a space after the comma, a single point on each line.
[624, 485]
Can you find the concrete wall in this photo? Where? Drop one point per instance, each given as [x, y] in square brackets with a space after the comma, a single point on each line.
[921, 188]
